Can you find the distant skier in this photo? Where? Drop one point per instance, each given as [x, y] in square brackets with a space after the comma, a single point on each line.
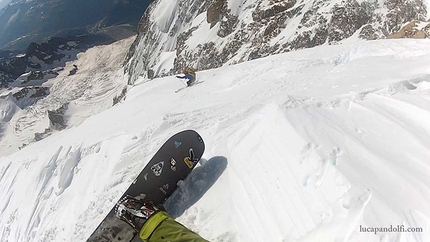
[189, 74]
[74, 70]
[152, 222]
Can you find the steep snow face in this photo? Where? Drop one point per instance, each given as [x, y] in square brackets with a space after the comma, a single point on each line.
[427, 3]
[210, 34]
[336, 140]
[164, 15]
[8, 108]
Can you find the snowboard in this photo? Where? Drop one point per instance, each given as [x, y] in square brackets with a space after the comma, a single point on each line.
[172, 163]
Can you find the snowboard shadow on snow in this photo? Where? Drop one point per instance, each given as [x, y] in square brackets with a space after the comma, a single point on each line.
[195, 185]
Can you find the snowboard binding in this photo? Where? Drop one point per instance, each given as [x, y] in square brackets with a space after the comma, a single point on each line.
[135, 212]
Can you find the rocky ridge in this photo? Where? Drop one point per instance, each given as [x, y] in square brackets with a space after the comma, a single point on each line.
[210, 34]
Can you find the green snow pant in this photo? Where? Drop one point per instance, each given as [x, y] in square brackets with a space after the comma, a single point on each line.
[161, 227]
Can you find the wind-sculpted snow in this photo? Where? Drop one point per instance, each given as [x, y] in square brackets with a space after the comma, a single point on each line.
[305, 146]
[68, 170]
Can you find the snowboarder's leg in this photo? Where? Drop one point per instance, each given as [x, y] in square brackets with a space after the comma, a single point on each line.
[191, 81]
[152, 222]
[135, 212]
[161, 227]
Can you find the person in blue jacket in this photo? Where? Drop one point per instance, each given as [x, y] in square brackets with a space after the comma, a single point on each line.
[189, 74]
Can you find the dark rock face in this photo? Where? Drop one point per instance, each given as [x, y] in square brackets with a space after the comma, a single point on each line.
[347, 19]
[28, 96]
[57, 119]
[31, 92]
[246, 30]
[275, 8]
[227, 25]
[39, 136]
[35, 75]
[215, 12]
[56, 48]
[120, 97]
[13, 67]
[40, 75]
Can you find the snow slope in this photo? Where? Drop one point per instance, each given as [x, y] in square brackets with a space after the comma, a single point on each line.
[304, 146]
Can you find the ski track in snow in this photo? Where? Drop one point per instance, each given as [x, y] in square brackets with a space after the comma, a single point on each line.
[303, 146]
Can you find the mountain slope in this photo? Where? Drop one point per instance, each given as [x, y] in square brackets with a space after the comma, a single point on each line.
[4, 3]
[35, 21]
[210, 34]
[71, 99]
[335, 140]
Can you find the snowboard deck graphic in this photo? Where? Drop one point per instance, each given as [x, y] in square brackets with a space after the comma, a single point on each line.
[158, 180]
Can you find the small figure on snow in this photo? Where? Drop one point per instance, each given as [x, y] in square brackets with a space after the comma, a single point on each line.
[152, 222]
[189, 74]
[74, 70]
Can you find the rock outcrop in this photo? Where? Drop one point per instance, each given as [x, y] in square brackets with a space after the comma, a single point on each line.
[57, 121]
[412, 30]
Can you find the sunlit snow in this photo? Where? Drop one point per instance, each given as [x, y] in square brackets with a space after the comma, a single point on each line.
[303, 146]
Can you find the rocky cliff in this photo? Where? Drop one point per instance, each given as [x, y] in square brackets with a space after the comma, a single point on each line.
[208, 34]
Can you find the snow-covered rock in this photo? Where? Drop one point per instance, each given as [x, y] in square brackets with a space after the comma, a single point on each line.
[27, 96]
[210, 34]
